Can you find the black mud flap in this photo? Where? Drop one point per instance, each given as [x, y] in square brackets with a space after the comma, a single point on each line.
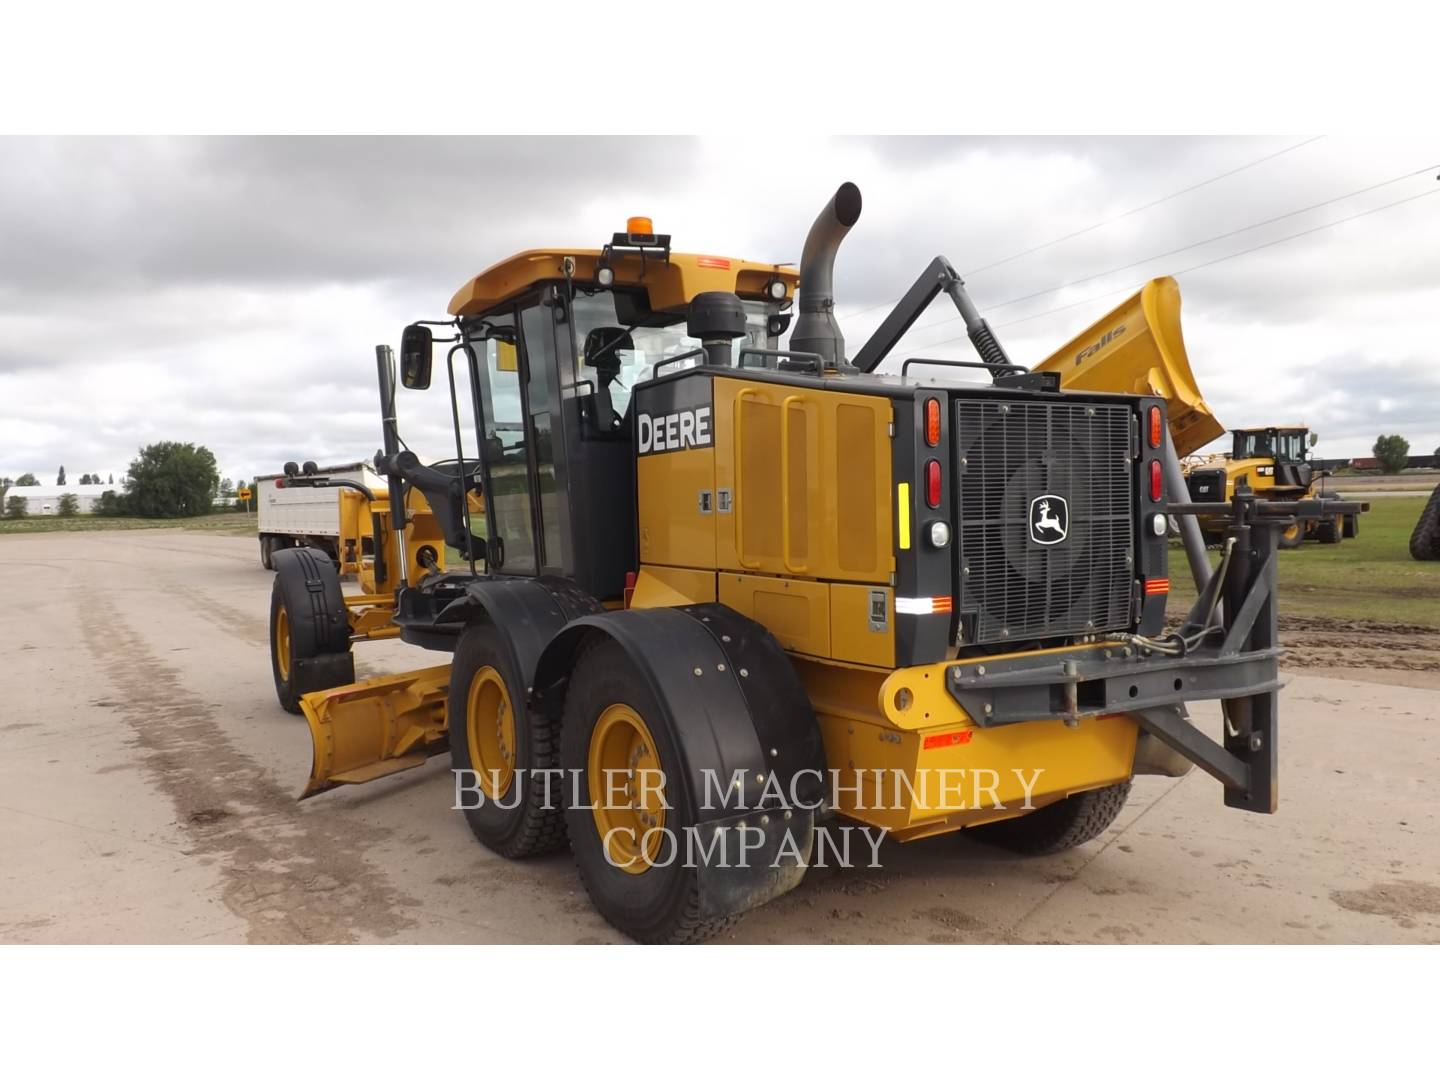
[750, 859]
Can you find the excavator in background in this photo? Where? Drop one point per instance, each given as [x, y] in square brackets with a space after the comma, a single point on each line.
[729, 595]
[1274, 463]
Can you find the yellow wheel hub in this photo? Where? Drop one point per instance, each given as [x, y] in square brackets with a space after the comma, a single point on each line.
[490, 732]
[1292, 531]
[282, 643]
[627, 789]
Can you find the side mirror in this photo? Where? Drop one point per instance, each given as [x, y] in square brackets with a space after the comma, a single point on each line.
[417, 347]
[1314, 437]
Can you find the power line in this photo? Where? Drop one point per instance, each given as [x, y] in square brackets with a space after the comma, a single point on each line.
[1101, 224]
[1199, 266]
[1147, 206]
[1197, 243]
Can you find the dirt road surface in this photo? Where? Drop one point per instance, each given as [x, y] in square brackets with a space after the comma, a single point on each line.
[148, 777]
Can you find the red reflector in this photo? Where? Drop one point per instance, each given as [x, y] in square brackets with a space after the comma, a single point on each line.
[950, 738]
[279, 481]
[932, 422]
[1157, 586]
[712, 262]
[1155, 429]
[1155, 486]
[932, 483]
[629, 587]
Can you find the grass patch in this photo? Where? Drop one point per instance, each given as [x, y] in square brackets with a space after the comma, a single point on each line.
[228, 524]
[1370, 578]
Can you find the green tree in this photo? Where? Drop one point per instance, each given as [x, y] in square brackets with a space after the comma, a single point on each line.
[69, 505]
[5, 483]
[15, 506]
[111, 504]
[26, 480]
[171, 479]
[112, 479]
[1391, 451]
[60, 480]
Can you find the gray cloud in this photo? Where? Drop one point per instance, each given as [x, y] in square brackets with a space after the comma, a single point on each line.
[230, 291]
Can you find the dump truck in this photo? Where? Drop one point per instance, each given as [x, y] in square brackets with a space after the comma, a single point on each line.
[732, 596]
[1274, 463]
[300, 516]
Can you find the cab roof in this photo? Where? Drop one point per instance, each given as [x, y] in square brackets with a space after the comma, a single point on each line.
[670, 283]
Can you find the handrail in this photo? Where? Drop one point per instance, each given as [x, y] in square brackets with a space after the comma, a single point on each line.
[739, 486]
[980, 364]
[785, 405]
[655, 371]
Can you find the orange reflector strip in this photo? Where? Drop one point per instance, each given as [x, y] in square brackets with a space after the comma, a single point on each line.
[712, 262]
[932, 422]
[941, 605]
[950, 738]
[1157, 586]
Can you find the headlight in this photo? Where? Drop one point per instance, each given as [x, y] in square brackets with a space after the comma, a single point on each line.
[939, 534]
[605, 275]
[776, 289]
[1157, 524]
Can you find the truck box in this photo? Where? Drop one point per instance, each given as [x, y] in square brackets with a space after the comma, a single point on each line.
[305, 516]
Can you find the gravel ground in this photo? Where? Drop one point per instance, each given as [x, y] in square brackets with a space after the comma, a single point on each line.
[147, 795]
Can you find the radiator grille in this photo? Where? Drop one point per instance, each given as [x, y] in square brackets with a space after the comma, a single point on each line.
[1009, 454]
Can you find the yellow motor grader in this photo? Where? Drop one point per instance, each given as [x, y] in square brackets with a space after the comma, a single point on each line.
[1273, 463]
[727, 595]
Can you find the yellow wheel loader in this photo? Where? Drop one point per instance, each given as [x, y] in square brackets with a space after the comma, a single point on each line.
[729, 598]
[1274, 463]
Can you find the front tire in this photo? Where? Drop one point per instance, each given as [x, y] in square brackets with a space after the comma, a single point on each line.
[309, 627]
[1291, 536]
[507, 746]
[629, 835]
[1060, 826]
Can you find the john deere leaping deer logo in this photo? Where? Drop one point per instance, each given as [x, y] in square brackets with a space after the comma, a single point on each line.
[1049, 519]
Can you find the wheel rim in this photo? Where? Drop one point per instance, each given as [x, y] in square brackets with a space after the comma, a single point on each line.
[627, 789]
[490, 732]
[282, 644]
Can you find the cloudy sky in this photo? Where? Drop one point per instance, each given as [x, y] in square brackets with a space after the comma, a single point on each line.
[231, 291]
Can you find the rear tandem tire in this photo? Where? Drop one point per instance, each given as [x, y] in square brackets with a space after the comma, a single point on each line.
[1328, 531]
[1425, 540]
[507, 746]
[1059, 826]
[307, 621]
[266, 546]
[655, 902]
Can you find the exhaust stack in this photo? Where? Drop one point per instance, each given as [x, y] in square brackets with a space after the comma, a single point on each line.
[816, 330]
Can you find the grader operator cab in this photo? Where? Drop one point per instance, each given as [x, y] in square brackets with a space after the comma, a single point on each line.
[727, 594]
[1274, 463]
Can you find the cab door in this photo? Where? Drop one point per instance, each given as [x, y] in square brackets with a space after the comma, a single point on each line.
[506, 455]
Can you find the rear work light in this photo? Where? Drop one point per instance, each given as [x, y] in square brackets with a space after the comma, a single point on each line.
[932, 422]
[1156, 431]
[932, 484]
[1156, 487]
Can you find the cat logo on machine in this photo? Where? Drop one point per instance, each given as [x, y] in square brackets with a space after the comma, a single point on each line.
[1049, 519]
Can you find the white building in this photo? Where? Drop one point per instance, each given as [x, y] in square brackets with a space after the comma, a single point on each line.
[43, 499]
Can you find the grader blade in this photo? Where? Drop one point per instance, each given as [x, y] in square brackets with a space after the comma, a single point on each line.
[1138, 348]
[374, 728]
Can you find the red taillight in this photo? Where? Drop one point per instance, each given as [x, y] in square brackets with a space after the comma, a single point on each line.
[932, 483]
[1155, 481]
[1155, 429]
[932, 422]
[279, 481]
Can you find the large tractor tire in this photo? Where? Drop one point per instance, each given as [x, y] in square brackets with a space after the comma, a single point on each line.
[1425, 539]
[1059, 826]
[1292, 536]
[624, 834]
[1328, 531]
[309, 627]
[508, 746]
